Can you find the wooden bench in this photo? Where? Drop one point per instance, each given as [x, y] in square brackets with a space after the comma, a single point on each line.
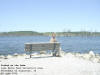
[55, 47]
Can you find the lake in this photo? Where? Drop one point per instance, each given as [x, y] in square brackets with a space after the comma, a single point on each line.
[13, 44]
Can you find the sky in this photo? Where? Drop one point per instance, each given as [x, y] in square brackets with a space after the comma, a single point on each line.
[49, 15]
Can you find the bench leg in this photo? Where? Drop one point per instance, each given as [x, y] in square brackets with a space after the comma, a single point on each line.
[59, 52]
[54, 52]
[30, 55]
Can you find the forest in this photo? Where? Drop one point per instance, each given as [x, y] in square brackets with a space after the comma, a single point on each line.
[34, 33]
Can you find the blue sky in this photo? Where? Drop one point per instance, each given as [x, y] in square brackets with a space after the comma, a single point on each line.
[49, 15]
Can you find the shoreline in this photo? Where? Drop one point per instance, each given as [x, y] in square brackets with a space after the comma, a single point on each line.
[91, 56]
[45, 64]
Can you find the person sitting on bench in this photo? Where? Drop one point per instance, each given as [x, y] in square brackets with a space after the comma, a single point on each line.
[53, 38]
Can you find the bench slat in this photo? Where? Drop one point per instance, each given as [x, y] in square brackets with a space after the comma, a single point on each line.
[41, 46]
[55, 47]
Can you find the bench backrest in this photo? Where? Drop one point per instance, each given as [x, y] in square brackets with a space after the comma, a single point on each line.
[42, 46]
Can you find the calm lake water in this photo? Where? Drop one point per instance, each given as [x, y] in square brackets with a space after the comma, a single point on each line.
[11, 45]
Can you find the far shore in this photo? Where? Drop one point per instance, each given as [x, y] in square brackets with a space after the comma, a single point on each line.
[34, 33]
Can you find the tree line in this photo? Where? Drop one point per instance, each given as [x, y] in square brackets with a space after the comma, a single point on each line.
[34, 33]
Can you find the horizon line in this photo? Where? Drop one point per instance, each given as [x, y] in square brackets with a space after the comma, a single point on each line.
[47, 31]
